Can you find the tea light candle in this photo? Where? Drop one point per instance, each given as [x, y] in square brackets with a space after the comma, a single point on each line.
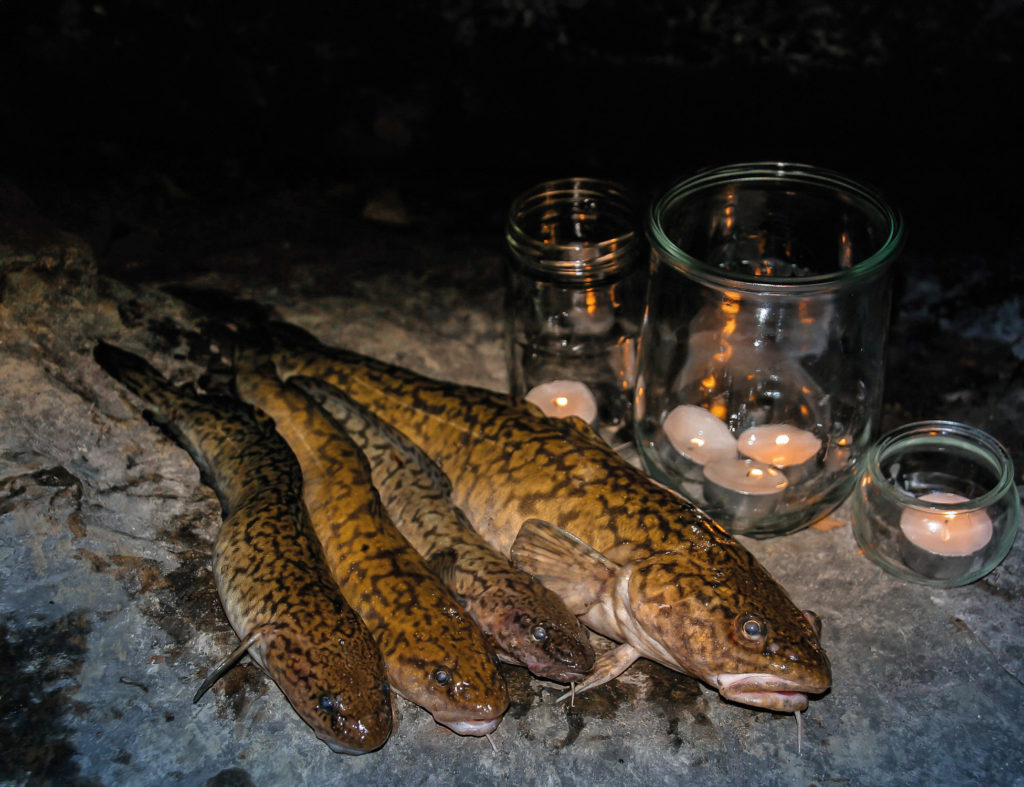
[941, 544]
[781, 445]
[564, 398]
[590, 317]
[746, 489]
[698, 435]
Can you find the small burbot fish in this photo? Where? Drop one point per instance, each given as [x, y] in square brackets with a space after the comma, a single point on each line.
[268, 565]
[436, 656]
[636, 561]
[529, 623]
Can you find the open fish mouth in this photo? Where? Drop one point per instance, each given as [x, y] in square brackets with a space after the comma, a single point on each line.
[477, 727]
[764, 691]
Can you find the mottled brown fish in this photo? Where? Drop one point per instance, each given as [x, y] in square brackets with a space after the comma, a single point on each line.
[436, 656]
[639, 563]
[529, 623]
[268, 565]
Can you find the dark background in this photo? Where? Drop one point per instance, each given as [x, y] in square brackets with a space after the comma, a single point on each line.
[155, 128]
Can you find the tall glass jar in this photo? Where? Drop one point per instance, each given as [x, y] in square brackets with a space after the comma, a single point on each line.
[575, 300]
[761, 358]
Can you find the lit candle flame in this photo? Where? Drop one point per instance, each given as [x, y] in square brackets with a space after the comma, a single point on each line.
[755, 472]
[561, 401]
[782, 439]
[697, 441]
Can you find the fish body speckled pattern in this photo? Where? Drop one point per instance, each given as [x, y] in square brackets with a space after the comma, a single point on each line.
[529, 623]
[268, 565]
[637, 562]
[436, 656]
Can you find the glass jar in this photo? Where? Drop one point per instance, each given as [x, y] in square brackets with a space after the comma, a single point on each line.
[936, 503]
[761, 358]
[575, 301]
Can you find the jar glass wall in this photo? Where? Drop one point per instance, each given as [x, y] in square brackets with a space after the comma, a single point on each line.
[763, 340]
[575, 300]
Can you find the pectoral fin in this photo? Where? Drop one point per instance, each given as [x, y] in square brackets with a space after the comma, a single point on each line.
[608, 667]
[232, 658]
[572, 569]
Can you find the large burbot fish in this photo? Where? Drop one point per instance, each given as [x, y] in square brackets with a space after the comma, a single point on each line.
[529, 623]
[436, 656]
[268, 565]
[637, 562]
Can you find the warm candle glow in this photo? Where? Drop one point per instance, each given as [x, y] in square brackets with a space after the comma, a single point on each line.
[743, 477]
[948, 533]
[698, 435]
[782, 445]
[564, 398]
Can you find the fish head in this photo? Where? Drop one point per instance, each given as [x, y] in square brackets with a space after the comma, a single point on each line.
[718, 615]
[460, 685]
[335, 684]
[544, 636]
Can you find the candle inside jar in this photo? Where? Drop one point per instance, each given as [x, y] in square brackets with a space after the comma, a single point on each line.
[781, 445]
[746, 476]
[952, 533]
[699, 435]
[564, 398]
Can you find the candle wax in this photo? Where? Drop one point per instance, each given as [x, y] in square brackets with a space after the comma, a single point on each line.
[946, 533]
[698, 435]
[745, 476]
[781, 445]
[564, 398]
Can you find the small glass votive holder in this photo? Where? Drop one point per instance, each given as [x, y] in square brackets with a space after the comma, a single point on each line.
[936, 503]
[575, 301]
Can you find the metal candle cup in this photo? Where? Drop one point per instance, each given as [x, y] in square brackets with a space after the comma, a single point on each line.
[940, 543]
[741, 490]
[792, 450]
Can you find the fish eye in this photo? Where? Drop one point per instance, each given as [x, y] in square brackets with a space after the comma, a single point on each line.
[442, 676]
[753, 628]
[539, 633]
[326, 703]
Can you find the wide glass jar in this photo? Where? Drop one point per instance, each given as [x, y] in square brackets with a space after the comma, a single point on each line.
[761, 358]
[575, 300]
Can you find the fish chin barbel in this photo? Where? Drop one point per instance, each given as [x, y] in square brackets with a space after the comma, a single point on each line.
[670, 584]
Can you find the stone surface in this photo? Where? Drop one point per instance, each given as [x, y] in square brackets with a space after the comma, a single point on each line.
[110, 620]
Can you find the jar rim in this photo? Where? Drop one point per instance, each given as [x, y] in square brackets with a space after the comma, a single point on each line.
[982, 440]
[774, 172]
[582, 260]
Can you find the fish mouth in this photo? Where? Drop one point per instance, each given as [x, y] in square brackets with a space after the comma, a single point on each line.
[477, 727]
[339, 748]
[764, 691]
